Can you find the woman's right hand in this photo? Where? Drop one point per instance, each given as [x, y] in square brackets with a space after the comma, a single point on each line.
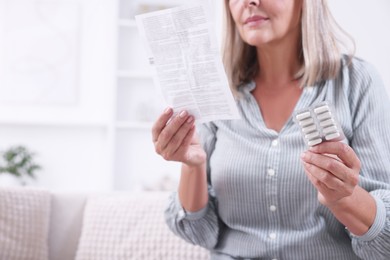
[174, 138]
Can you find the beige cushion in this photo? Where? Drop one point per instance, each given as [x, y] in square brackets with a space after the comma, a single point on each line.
[131, 227]
[24, 223]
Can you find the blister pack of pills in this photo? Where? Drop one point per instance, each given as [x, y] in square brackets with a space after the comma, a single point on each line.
[318, 124]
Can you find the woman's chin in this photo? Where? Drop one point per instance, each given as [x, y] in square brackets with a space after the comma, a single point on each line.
[257, 42]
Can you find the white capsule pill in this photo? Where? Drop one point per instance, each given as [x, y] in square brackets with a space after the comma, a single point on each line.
[330, 129]
[324, 116]
[309, 129]
[306, 122]
[313, 135]
[314, 142]
[332, 136]
[321, 109]
[302, 116]
[329, 122]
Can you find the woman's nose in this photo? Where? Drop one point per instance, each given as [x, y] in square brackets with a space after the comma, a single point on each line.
[253, 2]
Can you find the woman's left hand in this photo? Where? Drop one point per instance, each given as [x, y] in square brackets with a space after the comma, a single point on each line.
[333, 168]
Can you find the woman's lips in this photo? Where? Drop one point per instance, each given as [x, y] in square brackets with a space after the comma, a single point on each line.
[255, 20]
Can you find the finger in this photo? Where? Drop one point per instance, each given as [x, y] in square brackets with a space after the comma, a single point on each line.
[171, 129]
[189, 137]
[160, 123]
[343, 151]
[327, 163]
[316, 183]
[325, 177]
[177, 140]
[185, 143]
[321, 188]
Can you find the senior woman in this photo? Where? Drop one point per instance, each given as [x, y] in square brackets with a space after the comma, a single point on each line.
[249, 188]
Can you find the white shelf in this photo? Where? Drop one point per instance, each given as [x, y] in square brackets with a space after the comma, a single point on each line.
[134, 74]
[54, 123]
[130, 23]
[134, 125]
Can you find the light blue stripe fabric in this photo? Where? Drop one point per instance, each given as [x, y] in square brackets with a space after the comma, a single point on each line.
[379, 222]
[261, 204]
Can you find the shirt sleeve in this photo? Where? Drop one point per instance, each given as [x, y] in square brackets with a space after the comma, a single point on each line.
[201, 227]
[370, 106]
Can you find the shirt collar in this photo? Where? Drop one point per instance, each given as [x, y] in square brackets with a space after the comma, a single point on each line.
[247, 88]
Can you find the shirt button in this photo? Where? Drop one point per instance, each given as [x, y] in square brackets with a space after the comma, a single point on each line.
[275, 142]
[272, 208]
[271, 172]
[181, 214]
[272, 236]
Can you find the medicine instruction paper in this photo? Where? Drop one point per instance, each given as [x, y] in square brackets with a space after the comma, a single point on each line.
[182, 50]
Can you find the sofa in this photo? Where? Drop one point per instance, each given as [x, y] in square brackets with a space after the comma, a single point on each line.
[37, 224]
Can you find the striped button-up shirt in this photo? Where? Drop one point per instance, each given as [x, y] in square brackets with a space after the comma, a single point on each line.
[261, 203]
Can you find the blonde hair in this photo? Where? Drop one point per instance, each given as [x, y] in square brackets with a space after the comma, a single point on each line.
[322, 40]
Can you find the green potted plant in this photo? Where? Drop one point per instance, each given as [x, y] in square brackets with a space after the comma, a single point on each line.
[17, 165]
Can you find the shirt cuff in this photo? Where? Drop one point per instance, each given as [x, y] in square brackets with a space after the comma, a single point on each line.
[379, 222]
[189, 215]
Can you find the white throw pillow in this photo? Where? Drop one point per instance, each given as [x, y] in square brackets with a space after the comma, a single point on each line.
[131, 226]
[24, 223]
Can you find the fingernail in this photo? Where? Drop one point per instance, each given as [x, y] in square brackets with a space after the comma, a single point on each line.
[190, 119]
[167, 110]
[303, 155]
[183, 114]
